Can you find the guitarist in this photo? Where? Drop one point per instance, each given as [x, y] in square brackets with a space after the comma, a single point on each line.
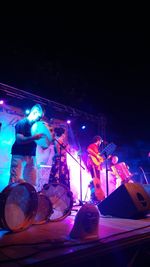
[94, 166]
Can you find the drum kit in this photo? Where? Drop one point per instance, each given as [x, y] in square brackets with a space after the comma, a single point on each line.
[22, 206]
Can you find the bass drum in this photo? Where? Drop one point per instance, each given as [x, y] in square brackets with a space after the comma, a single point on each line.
[61, 198]
[44, 210]
[18, 206]
[42, 127]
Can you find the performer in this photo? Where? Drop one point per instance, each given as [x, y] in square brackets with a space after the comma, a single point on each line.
[59, 171]
[94, 166]
[23, 162]
[120, 171]
[115, 178]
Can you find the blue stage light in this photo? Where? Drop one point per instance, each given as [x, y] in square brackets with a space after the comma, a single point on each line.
[27, 111]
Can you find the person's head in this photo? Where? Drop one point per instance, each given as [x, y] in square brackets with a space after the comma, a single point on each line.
[114, 159]
[36, 113]
[97, 140]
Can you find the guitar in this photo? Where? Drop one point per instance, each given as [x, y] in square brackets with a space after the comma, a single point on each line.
[98, 190]
[97, 186]
[97, 160]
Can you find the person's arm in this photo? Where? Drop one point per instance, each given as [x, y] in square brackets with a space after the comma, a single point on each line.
[114, 172]
[21, 139]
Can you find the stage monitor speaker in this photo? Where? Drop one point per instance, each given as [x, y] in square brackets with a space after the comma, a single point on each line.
[130, 200]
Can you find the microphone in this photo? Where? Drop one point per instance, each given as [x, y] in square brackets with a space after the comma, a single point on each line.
[104, 142]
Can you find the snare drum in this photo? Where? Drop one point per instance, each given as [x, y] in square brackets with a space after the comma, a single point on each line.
[61, 199]
[41, 127]
[18, 206]
[44, 210]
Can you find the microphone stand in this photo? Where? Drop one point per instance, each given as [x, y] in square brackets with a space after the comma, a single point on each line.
[79, 163]
[80, 200]
[144, 174]
[106, 165]
[64, 147]
[108, 150]
[60, 167]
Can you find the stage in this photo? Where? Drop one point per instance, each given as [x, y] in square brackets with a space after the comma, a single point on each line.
[120, 242]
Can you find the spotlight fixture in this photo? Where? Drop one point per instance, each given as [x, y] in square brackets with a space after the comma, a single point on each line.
[83, 127]
[27, 111]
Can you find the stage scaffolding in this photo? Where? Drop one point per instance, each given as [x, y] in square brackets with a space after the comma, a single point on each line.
[22, 96]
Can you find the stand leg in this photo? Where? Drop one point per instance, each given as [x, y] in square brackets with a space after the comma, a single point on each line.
[80, 200]
[107, 191]
[86, 193]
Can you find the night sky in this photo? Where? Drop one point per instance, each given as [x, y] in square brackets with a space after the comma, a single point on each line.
[84, 66]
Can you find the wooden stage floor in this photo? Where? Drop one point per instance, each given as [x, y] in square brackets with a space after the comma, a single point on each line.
[120, 242]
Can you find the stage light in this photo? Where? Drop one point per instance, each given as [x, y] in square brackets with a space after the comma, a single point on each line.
[68, 121]
[1, 102]
[27, 111]
[83, 127]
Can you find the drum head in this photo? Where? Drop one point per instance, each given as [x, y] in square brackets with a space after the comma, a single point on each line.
[41, 127]
[44, 210]
[19, 204]
[61, 199]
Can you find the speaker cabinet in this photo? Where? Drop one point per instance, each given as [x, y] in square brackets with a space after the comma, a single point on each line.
[130, 200]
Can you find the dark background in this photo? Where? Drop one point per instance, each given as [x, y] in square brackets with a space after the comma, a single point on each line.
[78, 63]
